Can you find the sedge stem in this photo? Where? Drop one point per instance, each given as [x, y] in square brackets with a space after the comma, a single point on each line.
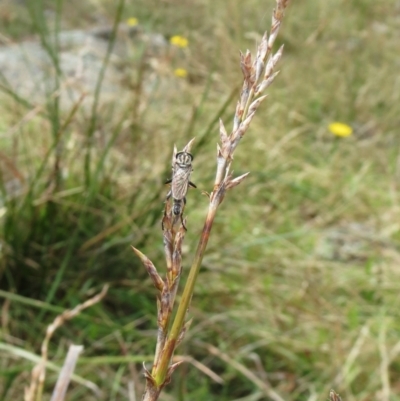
[177, 325]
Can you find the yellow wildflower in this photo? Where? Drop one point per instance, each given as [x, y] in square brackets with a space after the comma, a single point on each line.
[340, 129]
[179, 41]
[180, 73]
[132, 21]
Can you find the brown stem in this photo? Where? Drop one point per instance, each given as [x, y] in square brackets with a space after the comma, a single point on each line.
[161, 371]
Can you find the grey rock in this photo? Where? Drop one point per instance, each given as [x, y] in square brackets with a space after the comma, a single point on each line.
[28, 70]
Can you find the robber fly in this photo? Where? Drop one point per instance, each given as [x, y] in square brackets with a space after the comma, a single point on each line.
[180, 182]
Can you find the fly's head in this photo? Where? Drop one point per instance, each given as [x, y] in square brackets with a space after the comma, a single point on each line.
[184, 160]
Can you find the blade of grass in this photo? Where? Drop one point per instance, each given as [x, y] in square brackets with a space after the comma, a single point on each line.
[93, 119]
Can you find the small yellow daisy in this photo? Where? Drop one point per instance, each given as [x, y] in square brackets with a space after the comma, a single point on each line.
[179, 41]
[132, 21]
[180, 73]
[340, 129]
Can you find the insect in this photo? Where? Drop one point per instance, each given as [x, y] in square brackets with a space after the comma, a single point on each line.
[180, 182]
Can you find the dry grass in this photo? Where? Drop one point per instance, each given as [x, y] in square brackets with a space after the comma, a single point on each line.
[299, 287]
[258, 74]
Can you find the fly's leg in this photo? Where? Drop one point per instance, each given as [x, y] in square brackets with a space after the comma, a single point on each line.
[183, 224]
[181, 215]
[165, 209]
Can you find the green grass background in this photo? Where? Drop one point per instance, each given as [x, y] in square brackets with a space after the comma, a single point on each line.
[300, 284]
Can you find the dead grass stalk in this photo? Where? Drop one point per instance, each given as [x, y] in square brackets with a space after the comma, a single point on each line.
[258, 73]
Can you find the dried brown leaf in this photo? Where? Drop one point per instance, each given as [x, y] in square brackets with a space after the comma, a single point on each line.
[236, 181]
[148, 376]
[171, 370]
[148, 264]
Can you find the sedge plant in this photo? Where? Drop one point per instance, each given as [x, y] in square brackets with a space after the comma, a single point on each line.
[258, 74]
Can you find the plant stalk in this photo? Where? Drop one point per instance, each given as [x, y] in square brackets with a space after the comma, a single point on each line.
[160, 374]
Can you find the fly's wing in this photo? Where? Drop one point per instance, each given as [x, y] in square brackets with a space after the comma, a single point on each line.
[180, 182]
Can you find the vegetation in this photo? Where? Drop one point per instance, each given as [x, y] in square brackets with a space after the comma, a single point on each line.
[299, 287]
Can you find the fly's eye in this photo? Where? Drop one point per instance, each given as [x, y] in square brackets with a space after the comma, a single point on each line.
[184, 158]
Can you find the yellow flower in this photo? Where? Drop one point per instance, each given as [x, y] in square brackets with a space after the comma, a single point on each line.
[132, 21]
[180, 73]
[179, 41]
[340, 129]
